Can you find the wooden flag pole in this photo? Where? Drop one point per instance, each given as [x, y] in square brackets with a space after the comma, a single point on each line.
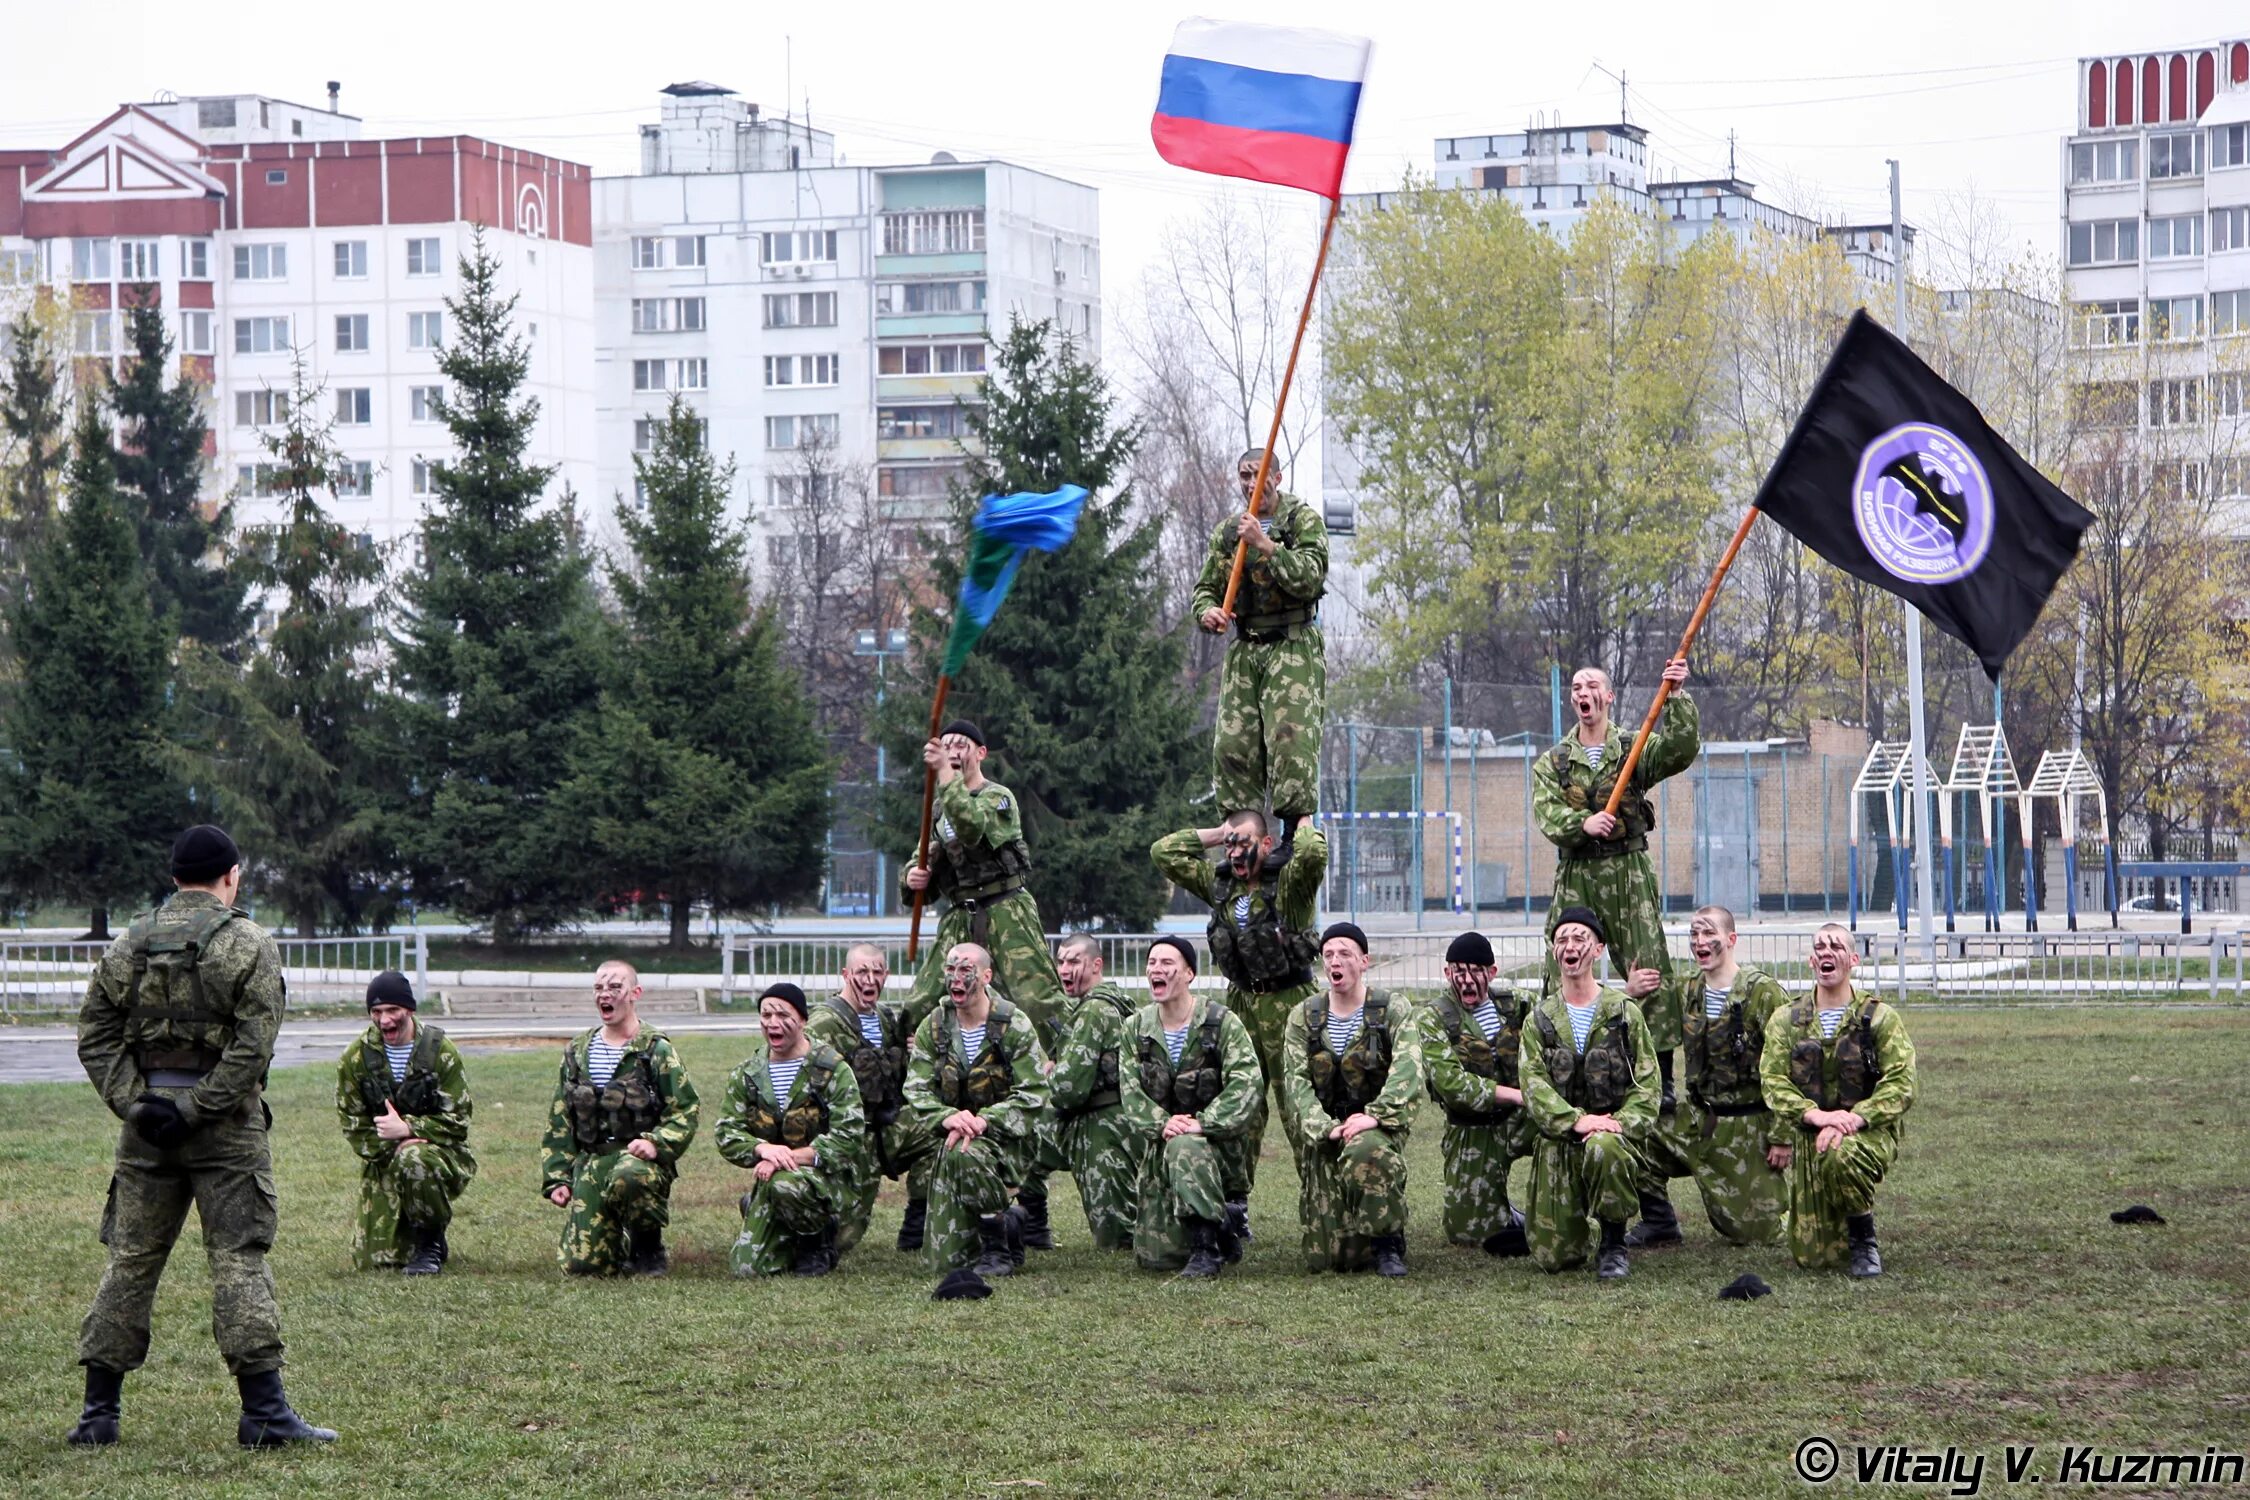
[1687, 639]
[929, 794]
[1280, 403]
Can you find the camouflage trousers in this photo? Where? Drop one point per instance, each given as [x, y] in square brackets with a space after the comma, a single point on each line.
[1022, 968]
[1105, 1162]
[1726, 1155]
[1623, 890]
[1267, 1017]
[1186, 1177]
[1828, 1187]
[965, 1186]
[903, 1148]
[411, 1192]
[225, 1170]
[1348, 1194]
[776, 1213]
[612, 1195]
[1573, 1181]
[1477, 1160]
[1273, 699]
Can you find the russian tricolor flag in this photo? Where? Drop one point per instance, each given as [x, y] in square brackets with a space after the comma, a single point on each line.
[1270, 103]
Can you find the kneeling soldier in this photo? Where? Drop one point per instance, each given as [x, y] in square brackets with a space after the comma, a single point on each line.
[1839, 1066]
[793, 1118]
[1192, 1092]
[623, 1116]
[978, 1078]
[1590, 1083]
[403, 1096]
[1353, 1063]
[871, 1034]
[1087, 1124]
[1471, 1035]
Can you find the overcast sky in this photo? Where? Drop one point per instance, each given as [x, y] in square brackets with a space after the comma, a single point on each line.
[1972, 96]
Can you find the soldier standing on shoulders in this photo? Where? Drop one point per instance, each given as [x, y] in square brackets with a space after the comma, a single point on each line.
[1086, 1127]
[1471, 1035]
[871, 1034]
[792, 1118]
[402, 1094]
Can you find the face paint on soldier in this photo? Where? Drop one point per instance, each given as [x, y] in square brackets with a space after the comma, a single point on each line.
[1833, 959]
[1470, 982]
[394, 1022]
[784, 1028]
[865, 973]
[617, 995]
[1577, 951]
[1591, 697]
[1711, 940]
[1079, 965]
[1246, 843]
[1168, 978]
[968, 969]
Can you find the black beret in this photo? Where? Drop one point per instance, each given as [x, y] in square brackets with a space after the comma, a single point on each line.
[1344, 930]
[961, 1285]
[784, 990]
[1584, 916]
[1181, 946]
[1744, 1288]
[203, 854]
[1472, 948]
[390, 988]
[965, 729]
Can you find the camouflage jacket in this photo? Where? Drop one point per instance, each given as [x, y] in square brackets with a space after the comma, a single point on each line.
[1393, 1105]
[364, 1061]
[841, 1145]
[1091, 1065]
[1705, 1067]
[1016, 1115]
[1556, 1116]
[1182, 859]
[987, 822]
[671, 1135]
[1561, 811]
[1242, 1081]
[1457, 1090]
[1296, 574]
[1894, 1056]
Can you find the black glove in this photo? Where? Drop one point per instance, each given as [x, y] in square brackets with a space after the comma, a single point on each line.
[158, 1121]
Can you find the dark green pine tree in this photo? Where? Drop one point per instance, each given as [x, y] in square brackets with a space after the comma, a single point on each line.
[1079, 698]
[160, 462]
[499, 654]
[88, 801]
[704, 780]
[34, 447]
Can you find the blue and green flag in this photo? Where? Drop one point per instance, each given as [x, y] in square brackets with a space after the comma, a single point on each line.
[1004, 528]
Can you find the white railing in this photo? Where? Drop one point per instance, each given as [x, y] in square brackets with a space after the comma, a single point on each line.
[51, 975]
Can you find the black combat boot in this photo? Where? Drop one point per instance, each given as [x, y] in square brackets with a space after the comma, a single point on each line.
[994, 1257]
[816, 1253]
[648, 1257]
[1510, 1242]
[429, 1255]
[97, 1424]
[1032, 1218]
[1669, 1102]
[1234, 1231]
[1867, 1256]
[1285, 847]
[1390, 1254]
[910, 1228]
[267, 1421]
[1012, 1222]
[1659, 1228]
[1612, 1264]
[1203, 1260]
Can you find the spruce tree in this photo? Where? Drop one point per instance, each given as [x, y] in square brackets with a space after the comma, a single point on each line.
[499, 653]
[88, 802]
[34, 447]
[1078, 696]
[161, 432]
[704, 780]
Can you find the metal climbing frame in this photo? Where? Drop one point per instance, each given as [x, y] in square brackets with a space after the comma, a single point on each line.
[1982, 765]
[2067, 777]
[1887, 772]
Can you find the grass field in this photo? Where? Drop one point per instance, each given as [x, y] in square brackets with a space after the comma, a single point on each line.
[2014, 1311]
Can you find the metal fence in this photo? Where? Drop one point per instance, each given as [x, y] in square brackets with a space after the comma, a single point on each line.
[51, 975]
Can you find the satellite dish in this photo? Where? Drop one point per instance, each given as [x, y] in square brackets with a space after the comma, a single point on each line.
[944, 159]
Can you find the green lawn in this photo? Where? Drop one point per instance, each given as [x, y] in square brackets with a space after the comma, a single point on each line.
[2014, 1311]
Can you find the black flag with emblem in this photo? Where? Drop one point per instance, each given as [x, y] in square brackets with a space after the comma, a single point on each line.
[1895, 477]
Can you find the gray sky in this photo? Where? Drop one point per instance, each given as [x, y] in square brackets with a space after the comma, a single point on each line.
[1972, 96]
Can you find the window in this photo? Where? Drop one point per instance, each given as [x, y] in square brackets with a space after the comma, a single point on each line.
[261, 335]
[2176, 155]
[800, 432]
[136, 260]
[90, 332]
[921, 482]
[687, 250]
[668, 315]
[2230, 312]
[2104, 403]
[425, 477]
[930, 359]
[195, 256]
[946, 232]
[422, 258]
[947, 421]
[2174, 239]
[799, 489]
[2230, 229]
[260, 408]
[2230, 395]
[351, 259]
[351, 333]
[355, 406]
[195, 333]
[790, 246]
[903, 297]
[276, 176]
[89, 260]
[425, 330]
[645, 430]
[355, 478]
[261, 262]
[800, 309]
[2175, 403]
[260, 480]
[422, 403]
[2230, 146]
[2175, 318]
[18, 267]
[648, 252]
[2105, 242]
[801, 369]
[670, 374]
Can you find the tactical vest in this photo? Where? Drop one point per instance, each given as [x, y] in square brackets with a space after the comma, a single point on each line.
[991, 1077]
[630, 1105]
[1346, 1084]
[1722, 1067]
[1859, 1067]
[879, 1071]
[1264, 955]
[419, 1092]
[1262, 611]
[1588, 791]
[169, 1022]
[1495, 1057]
[1106, 1074]
[796, 1125]
[980, 872]
[1598, 1081]
[1189, 1088]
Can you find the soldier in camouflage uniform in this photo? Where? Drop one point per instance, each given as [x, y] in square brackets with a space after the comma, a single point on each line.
[1471, 1035]
[624, 1114]
[871, 1034]
[1723, 1136]
[1602, 858]
[1273, 687]
[978, 1078]
[1086, 1126]
[1192, 1089]
[1263, 931]
[1589, 1084]
[402, 1095]
[1838, 1068]
[1353, 1063]
[176, 1032]
[793, 1119]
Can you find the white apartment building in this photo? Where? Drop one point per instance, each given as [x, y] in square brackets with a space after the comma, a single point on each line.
[265, 229]
[797, 301]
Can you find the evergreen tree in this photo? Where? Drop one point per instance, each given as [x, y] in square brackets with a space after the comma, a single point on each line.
[499, 655]
[34, 447]
[88, 803]
[1077, 693]
[704, 779]
[160, 478]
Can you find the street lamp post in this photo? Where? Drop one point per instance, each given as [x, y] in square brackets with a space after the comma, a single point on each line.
[882, 645]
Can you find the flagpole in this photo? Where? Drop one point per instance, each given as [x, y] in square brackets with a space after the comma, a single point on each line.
[1917, 734]
[929, 794]
[1280, 402]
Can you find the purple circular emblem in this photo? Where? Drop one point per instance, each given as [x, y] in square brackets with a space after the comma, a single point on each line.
[1922, 504]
